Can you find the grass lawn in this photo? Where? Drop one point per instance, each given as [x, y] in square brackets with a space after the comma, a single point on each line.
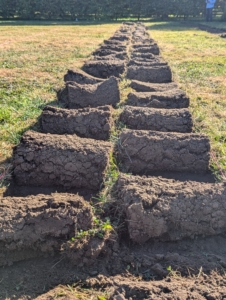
[34, 58]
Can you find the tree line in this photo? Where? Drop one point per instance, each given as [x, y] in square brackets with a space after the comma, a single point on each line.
[102, 9]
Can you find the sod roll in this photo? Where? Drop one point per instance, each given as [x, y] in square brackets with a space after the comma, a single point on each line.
[60, 160]
[141, 152]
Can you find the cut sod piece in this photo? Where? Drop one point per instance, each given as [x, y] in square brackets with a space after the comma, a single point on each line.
[140, 86]
[105, 69]
[60, 160]
[154, 74]
[38, 225]
[174, 98]
[142, 152]
[171, 120]
[156, 207]
[77, 95]
[81, 77]
[92, 123]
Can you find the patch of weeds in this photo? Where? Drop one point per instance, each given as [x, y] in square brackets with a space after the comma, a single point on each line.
[76, 290]
[173, 273]
[111, 176]
[99, 229]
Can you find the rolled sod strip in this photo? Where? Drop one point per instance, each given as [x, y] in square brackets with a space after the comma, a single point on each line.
[154, 74]
[150, 63]
[76, 95]
[95, 123]
[140, 86]
[174, 98]
[142, 152]
[38, 225]
[152, 48]
[81, 77]
[106, 52]
[115, 48]
[115, 56]
[156, 207]
[171, 120]
[60, 160]
[105, 69]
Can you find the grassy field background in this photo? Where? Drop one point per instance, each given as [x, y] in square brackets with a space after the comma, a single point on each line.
[34, 58]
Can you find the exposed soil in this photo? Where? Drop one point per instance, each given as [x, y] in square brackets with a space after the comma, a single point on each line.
[138, 271]
[140, 86]
[60, 160]
[177, 120]
[76, 95]
[155, 74]
[81, 77]
[141, 151]
[104, 69]
[95, 123]
[169, 209]
[152, 48]
[38, 225]
[174, 98]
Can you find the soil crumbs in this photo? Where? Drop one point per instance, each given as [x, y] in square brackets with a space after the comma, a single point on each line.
[189, 269]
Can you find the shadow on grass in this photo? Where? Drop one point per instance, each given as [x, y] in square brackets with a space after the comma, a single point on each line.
[56, 23]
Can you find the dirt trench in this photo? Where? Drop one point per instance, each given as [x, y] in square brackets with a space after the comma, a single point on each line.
[97, 245]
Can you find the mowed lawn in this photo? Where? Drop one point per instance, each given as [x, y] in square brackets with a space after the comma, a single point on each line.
[34, 58]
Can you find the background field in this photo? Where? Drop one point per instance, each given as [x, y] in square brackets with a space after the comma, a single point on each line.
[33, 60]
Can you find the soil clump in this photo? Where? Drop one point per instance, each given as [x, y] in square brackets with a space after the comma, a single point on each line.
[60, 160]
[140, 86]
[172, 99]
[155, 74]
[76, 95]
[105, 69]
[141, 151]
[38, 225]
[95, 123]
[165, 120]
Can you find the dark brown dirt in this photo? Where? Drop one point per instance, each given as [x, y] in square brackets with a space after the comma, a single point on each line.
[104, 69]
[156, 207]
[39, 225]
[95, 123]
[156, 74]
[173, 99]
[81, 77]
[60, 160]
[76, 95]
[171, 120]
[142, 152]
[152, 87]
